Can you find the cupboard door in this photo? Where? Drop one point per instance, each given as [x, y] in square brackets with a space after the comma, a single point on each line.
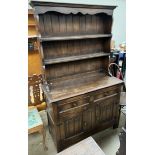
[76, 125]
[71, 127]
[106, 109]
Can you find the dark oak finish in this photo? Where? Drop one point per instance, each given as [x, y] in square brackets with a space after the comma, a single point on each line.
[82, 99]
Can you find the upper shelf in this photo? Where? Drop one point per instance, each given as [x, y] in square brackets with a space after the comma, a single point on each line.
[74, 58]
[75, 37]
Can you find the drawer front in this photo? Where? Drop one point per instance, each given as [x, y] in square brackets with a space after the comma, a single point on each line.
[71, 103]
[100, 94]
[69, 113]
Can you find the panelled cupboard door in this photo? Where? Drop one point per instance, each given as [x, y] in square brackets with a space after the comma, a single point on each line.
[107, 109]
[75, 125]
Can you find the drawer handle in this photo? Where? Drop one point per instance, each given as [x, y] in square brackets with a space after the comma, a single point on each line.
[85, 123]
[97, 118]
[106, 93]
[85, 108]
[91, 99]
[74, 104]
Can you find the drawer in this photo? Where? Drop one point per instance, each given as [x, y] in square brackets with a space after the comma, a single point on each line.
[72, 103]
[99, 94]
[72, 112]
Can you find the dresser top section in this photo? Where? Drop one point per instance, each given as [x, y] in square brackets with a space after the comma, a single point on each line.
[42, 7]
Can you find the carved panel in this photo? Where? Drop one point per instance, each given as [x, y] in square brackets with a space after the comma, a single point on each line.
[106, 109]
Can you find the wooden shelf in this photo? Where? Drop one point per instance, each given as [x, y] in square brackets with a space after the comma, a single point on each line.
[75, 37]
[74, 58]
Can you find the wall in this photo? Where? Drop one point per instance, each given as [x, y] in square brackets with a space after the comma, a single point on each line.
[119, 25]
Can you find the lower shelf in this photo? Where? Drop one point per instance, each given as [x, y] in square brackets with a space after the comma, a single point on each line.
[74, 58]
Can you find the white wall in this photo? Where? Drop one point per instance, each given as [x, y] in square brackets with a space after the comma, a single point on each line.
[119, 23]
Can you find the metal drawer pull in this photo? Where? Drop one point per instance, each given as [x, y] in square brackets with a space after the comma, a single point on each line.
[85, 108]
[85, 123]
[106, 93]
[91, 99]
[74, 104]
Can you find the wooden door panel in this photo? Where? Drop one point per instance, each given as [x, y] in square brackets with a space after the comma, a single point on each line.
[71, 127]
[106, 109]
[76, 125]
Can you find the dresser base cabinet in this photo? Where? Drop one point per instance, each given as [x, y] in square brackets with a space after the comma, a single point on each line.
[81, 116]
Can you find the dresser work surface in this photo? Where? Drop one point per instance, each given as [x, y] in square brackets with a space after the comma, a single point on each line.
[67, 92]
[81, 97]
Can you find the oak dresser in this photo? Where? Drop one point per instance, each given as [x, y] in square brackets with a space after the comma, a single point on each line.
[75, 47]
